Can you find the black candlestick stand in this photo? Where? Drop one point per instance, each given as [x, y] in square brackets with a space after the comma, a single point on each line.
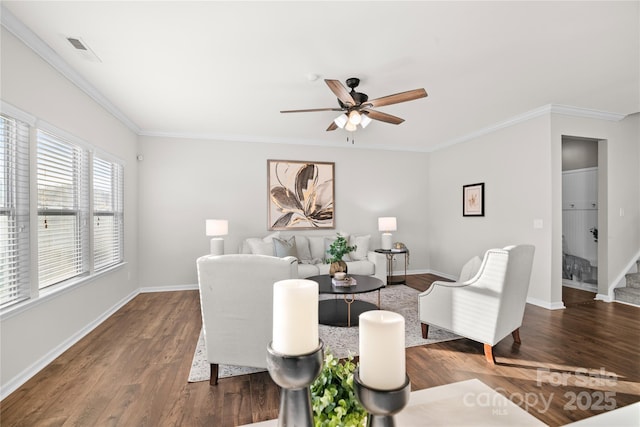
[295, 374]
[381, 405]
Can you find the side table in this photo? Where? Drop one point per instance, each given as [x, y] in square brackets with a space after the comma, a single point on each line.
[390, 253]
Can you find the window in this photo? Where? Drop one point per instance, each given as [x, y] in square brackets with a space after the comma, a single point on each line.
[14, 210]
[79, 208]
[108, 189]
[63, 208]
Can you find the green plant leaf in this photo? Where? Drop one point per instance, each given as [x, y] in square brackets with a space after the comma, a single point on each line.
[333, 396]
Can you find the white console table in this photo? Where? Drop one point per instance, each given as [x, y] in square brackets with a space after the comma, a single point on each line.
[465, 403]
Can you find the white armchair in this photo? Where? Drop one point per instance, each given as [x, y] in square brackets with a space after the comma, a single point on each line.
[236, 301]
[487, 307]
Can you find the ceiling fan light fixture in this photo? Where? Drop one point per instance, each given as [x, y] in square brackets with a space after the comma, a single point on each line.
[341, 120]
[365, 121]
[350, 127]
[355, 118]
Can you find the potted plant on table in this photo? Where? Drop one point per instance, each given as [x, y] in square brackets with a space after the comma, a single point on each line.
[339, 248]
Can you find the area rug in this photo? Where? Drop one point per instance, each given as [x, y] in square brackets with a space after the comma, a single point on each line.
[341, 341]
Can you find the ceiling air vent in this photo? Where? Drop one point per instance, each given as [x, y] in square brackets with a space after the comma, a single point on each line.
[76, 43]
[82, 49]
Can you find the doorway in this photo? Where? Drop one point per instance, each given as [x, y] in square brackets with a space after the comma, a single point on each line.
[580, 212]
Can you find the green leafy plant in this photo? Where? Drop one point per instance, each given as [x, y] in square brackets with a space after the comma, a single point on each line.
[333, 396]
[339, 248]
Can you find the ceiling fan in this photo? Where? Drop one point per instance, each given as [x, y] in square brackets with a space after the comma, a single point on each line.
[357, 108]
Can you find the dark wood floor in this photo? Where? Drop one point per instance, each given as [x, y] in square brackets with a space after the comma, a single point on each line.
[132, 370]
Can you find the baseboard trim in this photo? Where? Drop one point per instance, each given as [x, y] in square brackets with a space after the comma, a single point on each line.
[24, 376]
[558, 305]
[603, 297]
[173, 288]
[441, 274]
[626, 303]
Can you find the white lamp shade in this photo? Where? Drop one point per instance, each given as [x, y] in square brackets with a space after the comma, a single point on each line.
[341, 120]
[387, 223]
[364, 122]
[355, 117]
[217, 227]
[350, 127]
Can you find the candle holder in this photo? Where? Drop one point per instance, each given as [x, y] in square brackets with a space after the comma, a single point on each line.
[294, 374]
[381, 405]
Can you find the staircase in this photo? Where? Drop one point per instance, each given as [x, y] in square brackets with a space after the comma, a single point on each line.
[630, 293]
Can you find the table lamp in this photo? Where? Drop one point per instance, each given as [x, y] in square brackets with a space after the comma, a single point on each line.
[387, 224]
[217, 228]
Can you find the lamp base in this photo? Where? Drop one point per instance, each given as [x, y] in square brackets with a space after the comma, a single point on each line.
[217, 246]
[386, 241]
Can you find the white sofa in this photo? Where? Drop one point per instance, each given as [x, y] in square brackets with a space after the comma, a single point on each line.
[311, 252]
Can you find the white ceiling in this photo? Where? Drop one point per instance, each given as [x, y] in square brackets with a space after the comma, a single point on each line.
[225, 69]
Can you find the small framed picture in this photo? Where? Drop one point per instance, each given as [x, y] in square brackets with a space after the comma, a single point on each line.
[473, 200]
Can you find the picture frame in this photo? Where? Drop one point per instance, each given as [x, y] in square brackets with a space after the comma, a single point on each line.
[473, 199]
[300, 195]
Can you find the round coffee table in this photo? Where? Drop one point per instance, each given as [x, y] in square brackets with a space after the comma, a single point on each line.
[345, 311]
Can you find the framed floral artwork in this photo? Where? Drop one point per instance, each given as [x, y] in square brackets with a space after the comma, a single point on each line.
[300, 195]
[473, 200]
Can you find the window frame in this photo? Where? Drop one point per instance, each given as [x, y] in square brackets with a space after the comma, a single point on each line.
[116, 212]
[15, 207]
[34, 294]
[74, 166]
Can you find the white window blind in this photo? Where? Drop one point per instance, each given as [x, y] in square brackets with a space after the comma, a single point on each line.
[108, 201]
[63, 210]
[14, 211]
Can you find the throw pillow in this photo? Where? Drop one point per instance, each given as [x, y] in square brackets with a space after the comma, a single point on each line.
[316, 247]
[362, 243]
[285, 248]
[470, 269]
[257, 246]
[302, 246]
[260, 247]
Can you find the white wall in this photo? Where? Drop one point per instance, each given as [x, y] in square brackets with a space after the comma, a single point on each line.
[514, 164]
[41, 331]
[184, 182]
[521, 167]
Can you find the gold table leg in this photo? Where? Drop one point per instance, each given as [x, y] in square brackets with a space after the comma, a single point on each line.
[349, 302]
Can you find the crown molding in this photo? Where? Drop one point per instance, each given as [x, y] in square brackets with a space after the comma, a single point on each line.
[29, 38]
[537, 112]
[266, 140]
[568, 110]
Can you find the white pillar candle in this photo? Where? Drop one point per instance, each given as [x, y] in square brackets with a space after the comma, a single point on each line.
[295, 317]
[382, 353]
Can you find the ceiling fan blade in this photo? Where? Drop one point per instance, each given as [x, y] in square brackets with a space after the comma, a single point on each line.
[332, 126]
[312, 110]
[409, 95]
[340, 91]
[383, 117]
